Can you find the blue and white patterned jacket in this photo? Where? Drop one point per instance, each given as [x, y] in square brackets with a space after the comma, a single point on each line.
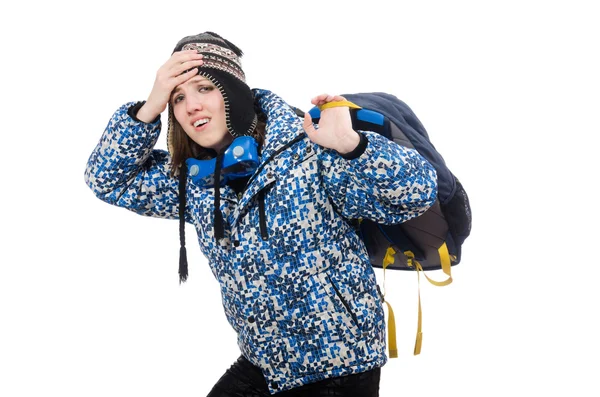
[304, 302]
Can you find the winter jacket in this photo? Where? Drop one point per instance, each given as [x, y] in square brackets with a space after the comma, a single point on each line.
[302, 296]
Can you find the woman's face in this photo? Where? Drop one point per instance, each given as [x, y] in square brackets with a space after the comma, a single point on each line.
[199, 108]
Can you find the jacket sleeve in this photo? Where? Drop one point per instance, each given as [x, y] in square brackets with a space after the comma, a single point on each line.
[125, 170]
[387, 183]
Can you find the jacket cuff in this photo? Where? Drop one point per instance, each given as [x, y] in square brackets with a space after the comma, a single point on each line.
[360, 148]
[132, 112]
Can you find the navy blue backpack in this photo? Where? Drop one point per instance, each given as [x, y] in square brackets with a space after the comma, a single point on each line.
[431, 241]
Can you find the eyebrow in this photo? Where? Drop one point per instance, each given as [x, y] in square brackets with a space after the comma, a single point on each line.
[195, 79]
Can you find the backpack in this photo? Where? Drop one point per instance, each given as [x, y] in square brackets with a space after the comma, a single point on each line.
[431, 241]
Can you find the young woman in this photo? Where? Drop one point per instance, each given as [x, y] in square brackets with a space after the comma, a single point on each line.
[295, 278]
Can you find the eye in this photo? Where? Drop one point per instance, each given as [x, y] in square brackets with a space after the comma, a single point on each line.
[177, 99]
[205, 88]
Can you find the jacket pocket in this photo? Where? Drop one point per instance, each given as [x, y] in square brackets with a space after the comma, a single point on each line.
[351, 320]
[341, 298]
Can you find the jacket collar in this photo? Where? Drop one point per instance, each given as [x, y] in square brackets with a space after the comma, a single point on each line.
[283, 124]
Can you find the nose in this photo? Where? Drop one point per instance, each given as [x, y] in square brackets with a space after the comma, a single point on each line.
[193, 104]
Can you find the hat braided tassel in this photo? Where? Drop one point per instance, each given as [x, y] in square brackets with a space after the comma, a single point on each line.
[183, 265]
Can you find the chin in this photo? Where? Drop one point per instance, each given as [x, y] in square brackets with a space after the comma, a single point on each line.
[213, 146]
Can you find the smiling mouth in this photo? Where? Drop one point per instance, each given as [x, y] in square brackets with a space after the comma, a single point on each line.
[201, 122]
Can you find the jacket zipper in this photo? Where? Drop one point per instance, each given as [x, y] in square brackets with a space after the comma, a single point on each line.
[261, 215]
[339, 295]
[264, 234]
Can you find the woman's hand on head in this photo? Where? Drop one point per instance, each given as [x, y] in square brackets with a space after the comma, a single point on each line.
[180, 67]
[335, 126]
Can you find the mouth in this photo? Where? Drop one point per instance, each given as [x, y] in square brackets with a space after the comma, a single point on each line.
[200, 124]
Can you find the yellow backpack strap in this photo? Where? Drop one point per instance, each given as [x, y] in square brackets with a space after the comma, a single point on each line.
[419, 339]
[446, 267]
[391, 332]
[388, 260]
[411, 262]
[336, 104]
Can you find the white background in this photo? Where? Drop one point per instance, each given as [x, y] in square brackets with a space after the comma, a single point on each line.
[90, 303]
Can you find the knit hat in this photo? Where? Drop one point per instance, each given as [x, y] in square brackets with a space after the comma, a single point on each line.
[221, 65]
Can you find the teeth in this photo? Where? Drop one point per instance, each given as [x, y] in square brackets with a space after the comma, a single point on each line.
[200, 122]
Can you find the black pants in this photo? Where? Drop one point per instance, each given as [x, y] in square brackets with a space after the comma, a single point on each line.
[243, 379]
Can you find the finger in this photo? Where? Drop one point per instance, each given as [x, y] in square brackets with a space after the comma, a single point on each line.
[182, 78]
[335, 98]
[326, 98]
[319, 98]
[308, 125]
[184, 67]
[183, 56]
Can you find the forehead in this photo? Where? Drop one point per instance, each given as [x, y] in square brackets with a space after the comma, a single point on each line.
[193, 80]
[197, 79]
